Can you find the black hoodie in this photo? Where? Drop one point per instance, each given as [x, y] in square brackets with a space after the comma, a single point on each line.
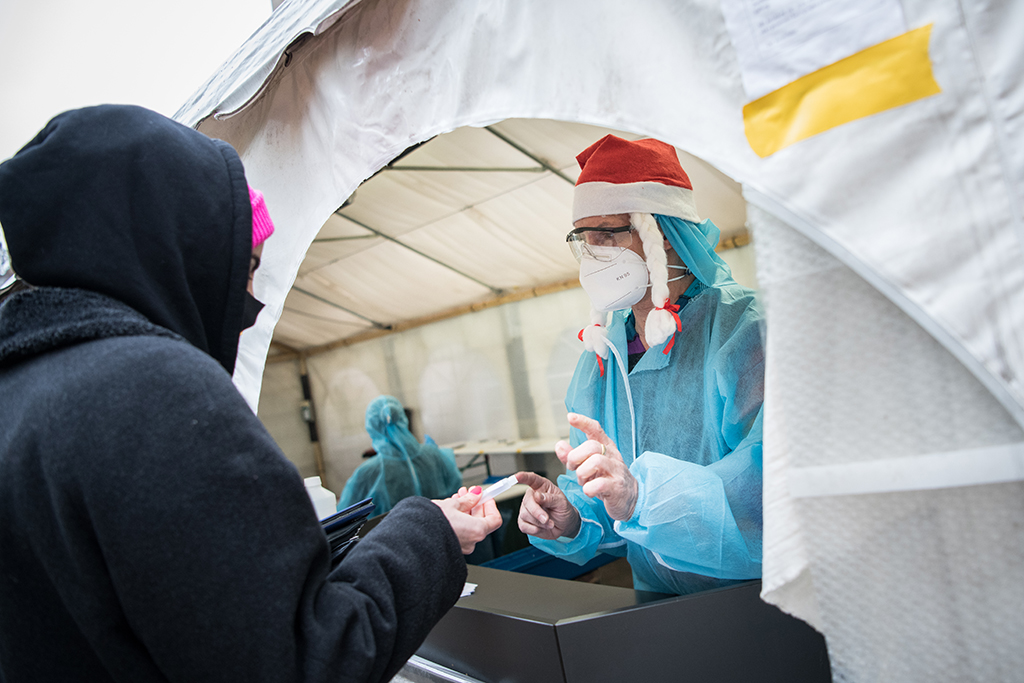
[150, 529]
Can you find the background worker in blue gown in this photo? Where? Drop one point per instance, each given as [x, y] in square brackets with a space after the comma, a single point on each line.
[403, 466]
[664, 459]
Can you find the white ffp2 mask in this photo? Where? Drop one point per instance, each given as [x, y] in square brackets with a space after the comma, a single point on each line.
[617, 283]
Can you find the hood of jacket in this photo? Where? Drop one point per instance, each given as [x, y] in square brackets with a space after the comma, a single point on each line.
[124, 202]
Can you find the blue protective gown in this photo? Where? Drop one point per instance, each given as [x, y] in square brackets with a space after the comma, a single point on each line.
[697, 521]
[403, 466]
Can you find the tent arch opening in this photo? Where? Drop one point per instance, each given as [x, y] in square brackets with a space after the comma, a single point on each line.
[488, 206]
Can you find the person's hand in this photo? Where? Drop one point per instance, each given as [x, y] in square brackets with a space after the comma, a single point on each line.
[545, 511]
[599, 468]
[470, 525]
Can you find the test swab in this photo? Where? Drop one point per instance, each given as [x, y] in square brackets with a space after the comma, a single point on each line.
[497, 488]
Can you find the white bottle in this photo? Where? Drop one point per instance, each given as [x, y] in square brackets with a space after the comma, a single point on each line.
[324, 500]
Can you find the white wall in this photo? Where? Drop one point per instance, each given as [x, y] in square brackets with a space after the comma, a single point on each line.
[280, 399]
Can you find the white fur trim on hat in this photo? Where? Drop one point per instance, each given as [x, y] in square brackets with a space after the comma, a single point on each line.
[606, 199]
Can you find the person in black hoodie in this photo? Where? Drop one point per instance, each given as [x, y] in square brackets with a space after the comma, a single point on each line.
[150, 529]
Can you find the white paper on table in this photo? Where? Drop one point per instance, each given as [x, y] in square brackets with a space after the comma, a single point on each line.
[778, 41]
[468, 589]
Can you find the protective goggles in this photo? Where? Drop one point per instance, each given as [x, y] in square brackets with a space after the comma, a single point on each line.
[600, 244]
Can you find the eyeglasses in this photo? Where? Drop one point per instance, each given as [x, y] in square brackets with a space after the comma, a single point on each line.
[600, 244]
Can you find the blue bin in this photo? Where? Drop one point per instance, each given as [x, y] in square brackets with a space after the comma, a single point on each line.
[533, 561]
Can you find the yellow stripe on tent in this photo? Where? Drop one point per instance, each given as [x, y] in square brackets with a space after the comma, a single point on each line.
[884, 76]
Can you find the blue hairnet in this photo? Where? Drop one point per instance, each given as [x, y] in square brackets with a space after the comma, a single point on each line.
[695, 245]
[388, 427]
[403, 466]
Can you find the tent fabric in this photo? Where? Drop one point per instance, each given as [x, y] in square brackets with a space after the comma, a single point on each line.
[350, 71]
[922, 202]
[248, 70]
[908, 580]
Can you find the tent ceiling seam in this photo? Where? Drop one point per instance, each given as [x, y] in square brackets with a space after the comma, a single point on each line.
[321, 317]
[343, 239]
[376, 324]
[522, 150]
[472, 169]
[495, 290]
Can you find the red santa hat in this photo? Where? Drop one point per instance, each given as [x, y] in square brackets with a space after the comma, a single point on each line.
[639, 178]
[642, 176]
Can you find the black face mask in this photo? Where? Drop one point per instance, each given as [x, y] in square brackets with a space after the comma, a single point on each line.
[252, 308]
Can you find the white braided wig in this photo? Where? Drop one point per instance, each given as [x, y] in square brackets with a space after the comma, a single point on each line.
[661, 324]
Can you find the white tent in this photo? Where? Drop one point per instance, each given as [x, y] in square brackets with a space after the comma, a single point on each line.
[880, 151]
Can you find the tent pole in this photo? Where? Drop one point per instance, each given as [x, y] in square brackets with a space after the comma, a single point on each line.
[308, 409]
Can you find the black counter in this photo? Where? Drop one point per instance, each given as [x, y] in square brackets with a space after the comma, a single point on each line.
[519, 627]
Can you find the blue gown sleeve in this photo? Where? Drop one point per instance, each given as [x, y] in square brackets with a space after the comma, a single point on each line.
[701, 519]
[596, 534]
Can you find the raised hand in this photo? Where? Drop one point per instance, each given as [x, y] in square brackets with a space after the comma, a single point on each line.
[599, 468]
[545, 511]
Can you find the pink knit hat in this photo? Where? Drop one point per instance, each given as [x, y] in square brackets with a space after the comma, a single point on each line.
[262, 226]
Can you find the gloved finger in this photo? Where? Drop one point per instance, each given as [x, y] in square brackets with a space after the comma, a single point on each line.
[530, 528]
[535, 510]
[562, 449]
[600, 488]
[529, 510]
[593, 467]
[533, 480]
[592, 428]
[529, 524]
[581, 453]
